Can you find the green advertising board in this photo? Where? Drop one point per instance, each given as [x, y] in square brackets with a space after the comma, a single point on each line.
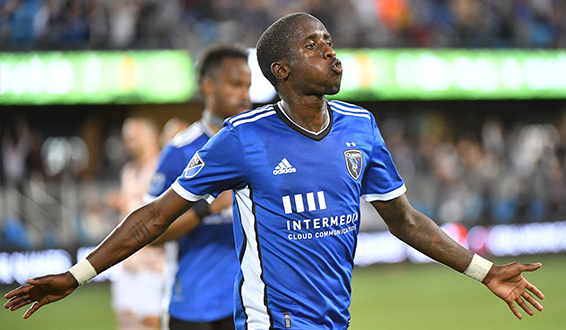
[452, 74]
[96, 77]
[164, 76]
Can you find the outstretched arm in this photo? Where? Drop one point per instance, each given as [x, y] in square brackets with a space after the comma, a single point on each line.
[192, 218]
[419, 231]
[138, 229]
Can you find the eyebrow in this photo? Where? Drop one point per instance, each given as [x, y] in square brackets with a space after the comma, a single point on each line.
[326, 35]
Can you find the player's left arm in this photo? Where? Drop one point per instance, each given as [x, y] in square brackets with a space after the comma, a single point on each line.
[420, 232]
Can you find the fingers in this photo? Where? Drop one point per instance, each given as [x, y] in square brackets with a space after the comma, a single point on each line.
[15, 298]
[524, 306]
[526, 296]
[529, 267]
[20, 304]
[32, 310]
[38, 280]
[514, 310]
[15, 301]
[534, 290]
[16, 291]
[532, 301]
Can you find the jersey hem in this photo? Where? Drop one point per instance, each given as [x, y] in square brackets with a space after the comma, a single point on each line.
[188, 195]
[385, 197]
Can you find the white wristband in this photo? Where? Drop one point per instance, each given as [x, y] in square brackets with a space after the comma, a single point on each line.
[478, 268]
[83, 271]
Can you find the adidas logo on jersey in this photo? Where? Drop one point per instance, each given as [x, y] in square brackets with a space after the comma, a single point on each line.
[284, 167]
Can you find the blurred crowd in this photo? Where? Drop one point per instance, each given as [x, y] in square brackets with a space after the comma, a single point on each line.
[193, 24]
[500, 175]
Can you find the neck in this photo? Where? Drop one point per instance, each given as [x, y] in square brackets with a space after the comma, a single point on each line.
[309, 113]
[213, 121]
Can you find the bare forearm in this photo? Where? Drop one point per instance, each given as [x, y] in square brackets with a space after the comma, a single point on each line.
[133, 233]
[138, 229]
[420, 232]
[185, 223]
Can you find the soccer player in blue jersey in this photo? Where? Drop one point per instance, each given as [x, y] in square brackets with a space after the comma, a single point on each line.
[297, 170]
[202, 259]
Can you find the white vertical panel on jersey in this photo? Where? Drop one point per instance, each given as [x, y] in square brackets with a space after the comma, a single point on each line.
[321, 200]
[310, 201]
[253, 288]
[287, 204]
[299, 203]
[170, 270]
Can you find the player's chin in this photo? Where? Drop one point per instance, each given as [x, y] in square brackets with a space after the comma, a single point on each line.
[332, 90]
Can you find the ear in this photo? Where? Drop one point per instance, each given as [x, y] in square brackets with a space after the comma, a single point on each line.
[207, 86]
[280, 70]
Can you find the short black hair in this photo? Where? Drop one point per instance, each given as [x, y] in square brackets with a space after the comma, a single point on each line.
[273, 45]
[213, 57]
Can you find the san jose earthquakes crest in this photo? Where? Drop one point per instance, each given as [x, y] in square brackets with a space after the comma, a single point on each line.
[354, 162]
[195, 165]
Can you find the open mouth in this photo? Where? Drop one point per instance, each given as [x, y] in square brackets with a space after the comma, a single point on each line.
[336, 66]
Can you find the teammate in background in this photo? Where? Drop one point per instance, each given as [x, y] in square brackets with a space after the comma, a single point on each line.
[137, 290]
[297, 170]
[203, 262]
[171, 128]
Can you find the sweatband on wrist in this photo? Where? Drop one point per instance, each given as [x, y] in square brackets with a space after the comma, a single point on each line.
[202, 209]
[83, 271]
[478, 268]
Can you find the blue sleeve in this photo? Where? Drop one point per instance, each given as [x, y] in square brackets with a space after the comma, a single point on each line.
[381, 180]
[172, 161]
[218, 166]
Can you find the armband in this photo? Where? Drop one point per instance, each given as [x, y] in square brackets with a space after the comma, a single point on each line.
[83, 271]
[202, 209]
[478, 268]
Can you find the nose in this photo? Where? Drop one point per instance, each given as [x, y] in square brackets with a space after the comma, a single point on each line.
[329, 52]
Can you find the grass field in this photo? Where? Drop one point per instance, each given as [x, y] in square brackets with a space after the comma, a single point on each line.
[399, 297]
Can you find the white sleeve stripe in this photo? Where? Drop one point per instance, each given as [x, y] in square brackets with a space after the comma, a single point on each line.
[385, 197]
[249, 113]
[348, 107]
[249, 120]
[365, 115]
[186, 194]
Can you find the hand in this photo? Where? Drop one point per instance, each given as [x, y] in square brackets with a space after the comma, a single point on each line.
[41, 291]
[507, 283]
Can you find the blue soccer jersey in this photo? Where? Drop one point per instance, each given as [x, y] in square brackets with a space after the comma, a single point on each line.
[206, 262]
[296, 209]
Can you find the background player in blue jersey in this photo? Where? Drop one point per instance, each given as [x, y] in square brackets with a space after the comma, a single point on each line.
[297, 170]
[202, 259]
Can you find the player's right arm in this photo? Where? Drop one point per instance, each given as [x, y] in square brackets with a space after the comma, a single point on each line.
[191, 219]
[138, 229]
